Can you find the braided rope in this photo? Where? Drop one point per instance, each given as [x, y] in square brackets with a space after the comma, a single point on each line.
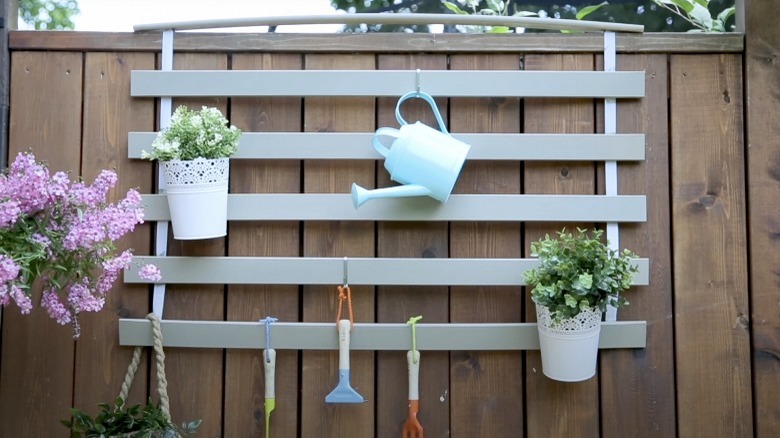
[130, 376]
[159, 355]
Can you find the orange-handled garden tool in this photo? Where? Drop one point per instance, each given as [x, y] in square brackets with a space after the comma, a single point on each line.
[412, 427]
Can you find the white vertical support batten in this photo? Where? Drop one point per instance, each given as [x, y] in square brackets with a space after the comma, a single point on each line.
[166, 108]
[610, 167]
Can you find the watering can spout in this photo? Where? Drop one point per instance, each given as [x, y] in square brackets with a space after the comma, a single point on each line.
[361, 195]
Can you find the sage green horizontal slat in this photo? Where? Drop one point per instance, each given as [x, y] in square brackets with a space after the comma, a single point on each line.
[364, 336]
[447, 83]
[337, 207]
[357, 145]
[361, 271]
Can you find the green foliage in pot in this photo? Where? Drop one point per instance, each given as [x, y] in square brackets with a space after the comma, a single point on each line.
[578, 272]
[148, 421]
[195, 134]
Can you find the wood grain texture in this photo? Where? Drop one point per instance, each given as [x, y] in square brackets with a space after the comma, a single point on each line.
[36, 376]
[487, 390]
[244, 373]
[376, 43]
[710, 247]
[339, 239]
[195, 377]
[109, 114]
[762, 106]
[399, 303]
[574, 406]
[637, 386]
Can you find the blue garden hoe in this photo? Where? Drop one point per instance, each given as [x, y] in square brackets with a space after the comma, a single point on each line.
[343, 393]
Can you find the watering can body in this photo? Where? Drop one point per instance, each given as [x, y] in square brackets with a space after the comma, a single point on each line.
[425, 161]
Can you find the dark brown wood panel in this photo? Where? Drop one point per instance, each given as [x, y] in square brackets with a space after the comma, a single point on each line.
[487, 389]
[396, 304]
[109, 114]
[244, 375]
[574, 406]
[710, 247]
[36, 372]
[637, 386]
[337, 239]
[763, 154]
[195, 376]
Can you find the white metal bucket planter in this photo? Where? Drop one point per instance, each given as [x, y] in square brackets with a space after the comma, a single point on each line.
[569, 348]
[197, 192]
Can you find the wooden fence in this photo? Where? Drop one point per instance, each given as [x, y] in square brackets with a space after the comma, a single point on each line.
[710, 367]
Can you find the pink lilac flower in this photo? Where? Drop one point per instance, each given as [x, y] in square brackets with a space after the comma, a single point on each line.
[9, 269]
[9, 213]
[5, 299]
[150, 272]
[58, 186]
[82, 299]
[51, 302]
[21, 299]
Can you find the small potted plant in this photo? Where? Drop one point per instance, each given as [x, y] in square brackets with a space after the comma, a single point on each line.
[194, 153]
[577, 277]
[58, 237]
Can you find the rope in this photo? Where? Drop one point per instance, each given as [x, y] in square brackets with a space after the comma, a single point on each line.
[159, 354]
[345, 295]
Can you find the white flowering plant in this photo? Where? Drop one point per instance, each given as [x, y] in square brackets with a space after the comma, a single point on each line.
[58, 237]
[195, 134]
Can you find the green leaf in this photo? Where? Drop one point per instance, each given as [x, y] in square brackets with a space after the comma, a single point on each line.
[701, 15]
[725, 14]
[570, 300]
[454, 8]
[587, 10]
[499, 29]
[495, 5]
[685, 5]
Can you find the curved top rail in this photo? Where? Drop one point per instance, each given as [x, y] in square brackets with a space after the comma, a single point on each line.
[403, 18]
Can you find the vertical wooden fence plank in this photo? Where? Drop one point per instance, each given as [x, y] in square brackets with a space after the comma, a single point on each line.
[195, 375]
[487, 389]
[244, 378]
[637, 386]
[337, 239]
[763, 105]
[36, 375]
[109, 114]
[554, 408]
[710, 247]
[399, 303]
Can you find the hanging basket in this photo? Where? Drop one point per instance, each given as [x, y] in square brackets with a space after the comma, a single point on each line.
[569, 348]
[197, 192]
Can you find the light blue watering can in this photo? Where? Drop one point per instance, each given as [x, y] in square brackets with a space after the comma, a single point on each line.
[425, 161]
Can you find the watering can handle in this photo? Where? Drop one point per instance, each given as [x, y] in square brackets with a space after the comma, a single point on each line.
[426, 97]
[390, 132]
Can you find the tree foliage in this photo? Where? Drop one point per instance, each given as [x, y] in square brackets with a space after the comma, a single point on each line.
[654, 16]
[48, 14]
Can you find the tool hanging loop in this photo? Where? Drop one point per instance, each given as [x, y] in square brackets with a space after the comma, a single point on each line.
[268, 320]
[413, 322]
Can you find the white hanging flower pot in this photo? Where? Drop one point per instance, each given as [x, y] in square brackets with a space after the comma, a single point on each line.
[569, 348]
[197, 192]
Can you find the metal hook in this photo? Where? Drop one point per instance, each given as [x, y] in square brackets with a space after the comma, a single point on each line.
[268, 320]
[346, 272]
[417, 81]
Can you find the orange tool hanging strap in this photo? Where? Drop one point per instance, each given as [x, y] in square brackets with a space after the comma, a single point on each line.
[345, 295]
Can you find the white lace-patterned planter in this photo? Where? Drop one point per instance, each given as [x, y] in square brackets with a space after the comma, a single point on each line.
[569, 348]
[197, 192]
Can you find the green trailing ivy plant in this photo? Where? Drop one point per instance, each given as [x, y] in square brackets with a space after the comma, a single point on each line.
[578, 272]
[697, 13]
[119, 420]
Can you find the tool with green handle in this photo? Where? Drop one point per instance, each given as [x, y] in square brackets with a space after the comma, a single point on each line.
[270, 399]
